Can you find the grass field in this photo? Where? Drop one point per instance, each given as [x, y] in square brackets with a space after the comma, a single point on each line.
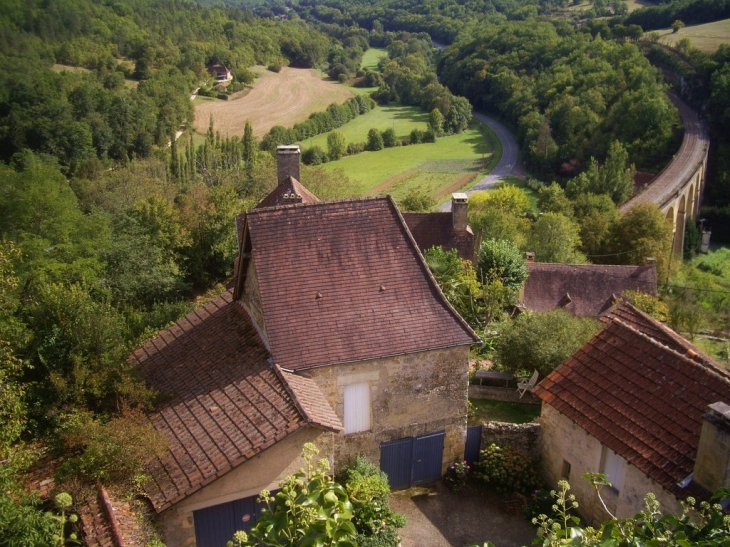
[372, 56]
[403, 119]
[439, 168]
[282, 98]
[707, 37]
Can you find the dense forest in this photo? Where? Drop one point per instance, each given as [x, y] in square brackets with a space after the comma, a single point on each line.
[110, 228]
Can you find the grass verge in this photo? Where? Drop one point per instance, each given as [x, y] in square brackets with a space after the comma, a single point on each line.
[486, 410]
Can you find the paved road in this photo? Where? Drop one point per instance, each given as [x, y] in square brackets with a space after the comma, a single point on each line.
[508, 165]
[673, 177]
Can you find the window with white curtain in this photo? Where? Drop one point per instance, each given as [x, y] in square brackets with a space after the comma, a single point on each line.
[357, 407]
[613, 465]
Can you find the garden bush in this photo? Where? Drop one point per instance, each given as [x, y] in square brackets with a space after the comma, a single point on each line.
[368, 490]
[506, 470]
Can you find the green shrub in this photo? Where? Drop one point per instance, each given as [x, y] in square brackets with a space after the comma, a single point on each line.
[368, 490]
[355, 148]
[314, 156]
[274, 67]
[506, 470]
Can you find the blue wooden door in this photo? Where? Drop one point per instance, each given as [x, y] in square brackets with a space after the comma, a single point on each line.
[412, 460]
[395, 461]
[428, 454]
[214, 526]
[473, 444]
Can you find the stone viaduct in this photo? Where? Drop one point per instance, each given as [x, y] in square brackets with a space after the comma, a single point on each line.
[677, 190]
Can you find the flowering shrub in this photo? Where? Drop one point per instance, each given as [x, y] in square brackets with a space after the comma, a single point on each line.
[455, 477]
[540, 503]
[506, 470]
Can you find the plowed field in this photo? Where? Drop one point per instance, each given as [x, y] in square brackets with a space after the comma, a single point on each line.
[283, 98]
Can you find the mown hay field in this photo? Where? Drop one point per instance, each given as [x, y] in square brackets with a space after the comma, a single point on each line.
[707, 37]
[282, 98]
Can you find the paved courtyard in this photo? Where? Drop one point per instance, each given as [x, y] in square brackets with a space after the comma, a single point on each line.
[439, 518]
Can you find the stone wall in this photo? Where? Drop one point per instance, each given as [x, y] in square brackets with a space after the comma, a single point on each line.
[525, 437]
[410, 395]
[568, 451]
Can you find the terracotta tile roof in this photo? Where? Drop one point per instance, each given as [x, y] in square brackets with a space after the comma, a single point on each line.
[225, 401]
[639, 398]
[290, 185]
[657, 330]
[111, 522]
[437, 229]
[344, 281]
[583, 289]
[310, 402]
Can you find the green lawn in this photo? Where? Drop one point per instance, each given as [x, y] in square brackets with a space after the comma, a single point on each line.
[707, 37]
[371, 57]
[434, 166]
[486, 410]
[403, 119]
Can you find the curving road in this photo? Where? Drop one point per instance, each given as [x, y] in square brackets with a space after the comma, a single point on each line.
[663, 189]
[508, 165]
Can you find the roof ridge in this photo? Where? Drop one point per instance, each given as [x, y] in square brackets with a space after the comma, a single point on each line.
[429, 276]
[712, 368]
[671, 333]
[269, 208]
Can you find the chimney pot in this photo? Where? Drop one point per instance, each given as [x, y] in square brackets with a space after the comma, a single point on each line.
[459, 210]
[530, 256]
[650, 261]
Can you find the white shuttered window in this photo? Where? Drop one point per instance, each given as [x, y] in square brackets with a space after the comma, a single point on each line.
[357, 407]
[613, 468]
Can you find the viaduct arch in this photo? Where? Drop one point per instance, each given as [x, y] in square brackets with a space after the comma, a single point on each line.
[678, 189]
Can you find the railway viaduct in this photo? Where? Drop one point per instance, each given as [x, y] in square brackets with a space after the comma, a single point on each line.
[677, 190]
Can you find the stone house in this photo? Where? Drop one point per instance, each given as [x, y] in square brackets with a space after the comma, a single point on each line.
[334, 332]
[583, 289]
[642, 405]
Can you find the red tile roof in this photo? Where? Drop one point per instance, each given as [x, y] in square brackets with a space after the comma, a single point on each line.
[437, 229]
[639, 398]
[655, 329]
[344, 281]
[590, 287]
[224, 401]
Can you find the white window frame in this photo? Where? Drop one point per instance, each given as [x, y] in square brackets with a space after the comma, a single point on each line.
[357, 415]
[614, 467]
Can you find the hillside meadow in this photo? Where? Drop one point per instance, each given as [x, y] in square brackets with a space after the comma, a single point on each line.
[448, 165]
[707, 37]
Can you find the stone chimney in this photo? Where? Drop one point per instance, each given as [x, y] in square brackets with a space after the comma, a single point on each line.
[712, 465]
[650, 261]
[287, 162]
[459, 208]
[530, 257]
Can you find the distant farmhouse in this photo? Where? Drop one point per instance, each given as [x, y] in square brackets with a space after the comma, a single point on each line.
[335, 333]
[642, 405]
[220, 73]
